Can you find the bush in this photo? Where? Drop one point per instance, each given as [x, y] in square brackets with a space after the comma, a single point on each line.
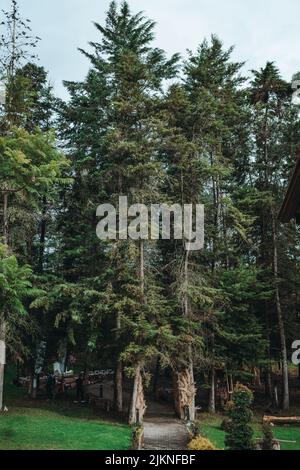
[201, 443]
[137, 437]
[240, 433]
[194, 429]
[267, 442]
[225, 425]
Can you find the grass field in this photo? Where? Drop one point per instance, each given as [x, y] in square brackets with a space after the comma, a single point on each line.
[36, 429]
[211, 429]
[38, 425]
[58, 426]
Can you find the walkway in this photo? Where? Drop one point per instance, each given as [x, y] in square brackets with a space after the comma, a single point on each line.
[162, 430]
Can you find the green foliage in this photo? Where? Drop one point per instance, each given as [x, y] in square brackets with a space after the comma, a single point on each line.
[15, 291]
[208, 138]
[137, 437]
[225, 424]
[201, 444]
[240, 433]
[60, 429]
[30, 162]
[268, 437]
[194, 428]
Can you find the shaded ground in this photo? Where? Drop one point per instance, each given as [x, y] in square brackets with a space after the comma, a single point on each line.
[162, 430]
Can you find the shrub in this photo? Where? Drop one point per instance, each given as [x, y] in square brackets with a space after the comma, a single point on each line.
[225, 425]
[194, 429]
[201, 443]
[240, 433]
[137, 437]
[267, 442]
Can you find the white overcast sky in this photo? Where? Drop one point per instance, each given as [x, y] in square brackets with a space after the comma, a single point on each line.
[261, 30]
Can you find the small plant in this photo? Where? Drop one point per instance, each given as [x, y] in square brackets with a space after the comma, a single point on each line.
[194, 429]
[201, 443]
[240, 433]
[137, 437]
[225, 425]
[267, 442]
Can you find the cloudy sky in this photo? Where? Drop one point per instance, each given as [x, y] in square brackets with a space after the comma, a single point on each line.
[261, 30]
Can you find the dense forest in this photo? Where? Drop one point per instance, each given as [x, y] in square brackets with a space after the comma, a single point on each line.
[157, 129]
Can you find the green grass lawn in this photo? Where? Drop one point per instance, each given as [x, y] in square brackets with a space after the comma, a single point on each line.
[211, 429]
[62, 425]
[38, 425]
[38, 429]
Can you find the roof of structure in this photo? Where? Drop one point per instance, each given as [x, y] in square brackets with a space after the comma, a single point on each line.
[291, 206]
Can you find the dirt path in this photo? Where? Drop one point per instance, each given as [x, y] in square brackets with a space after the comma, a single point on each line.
[162, 430]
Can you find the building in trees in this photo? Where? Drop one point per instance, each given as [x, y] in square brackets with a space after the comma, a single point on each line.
[291, 206]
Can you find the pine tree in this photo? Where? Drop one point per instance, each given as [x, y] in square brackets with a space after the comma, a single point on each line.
[211, 112]
[114, 116]
[17, 46]
[272, 115]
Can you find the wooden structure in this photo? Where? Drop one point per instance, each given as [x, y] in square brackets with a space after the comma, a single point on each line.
[185, 392]
[280, 420]
[138, 404]
[291, 206]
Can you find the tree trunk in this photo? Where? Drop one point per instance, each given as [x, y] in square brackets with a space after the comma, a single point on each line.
[135, 412]
[285, 372]
[118, 398]
[231, 384]
[2, 362]
[42, 236]
[212, 393]
[119, 386]
[5, 218]
[227, 383]
[142, 269]
[155, 379]
[1, 385]
[276, 396]
[268, 383]
[33, 392]
[268, 379]
[192, 406]
[192, 411]
[137, 406]
[185, 394]
[132, 412]
[18, 372]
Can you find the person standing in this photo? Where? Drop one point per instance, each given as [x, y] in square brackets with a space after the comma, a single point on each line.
[80, 389]
[50, 386]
